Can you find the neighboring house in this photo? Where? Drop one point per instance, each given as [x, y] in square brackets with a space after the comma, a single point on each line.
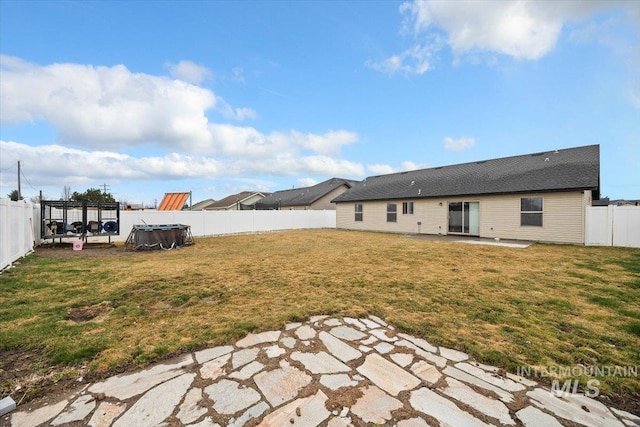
[173, 201]
[540, 197]
[316, 197]
[237, 202]
[200, 206]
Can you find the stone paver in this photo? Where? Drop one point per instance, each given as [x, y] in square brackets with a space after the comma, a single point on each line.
[370, 323]
[402, 359]
[488, 406]
[505, 396]
[147, 412]
[346, 333]
[627, 418]
[308, 412]
[498, 381]
[375, 406]
[305, 374]
[426, 372]
[212, 353]
[455, 355]
[413, 422]
[281, 385]
[423, 344]
[105, 414]
[534, 417]
[125, 386]
[305, 332]
[577, 408]
[242, 357]
[274, 351]
[336, 381]
[320, 363]
[248, 371]
[383, 347]
[382, 334]
[339, 348]
[254, 412]
[191, 410]
[444, 410]
[386, 375]
[255, 339]
[439, 361]
[230, 397]
[214, 368]
[38, 416]
[77, 411]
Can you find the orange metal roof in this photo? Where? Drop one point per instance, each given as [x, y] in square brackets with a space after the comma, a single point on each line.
[173, 201]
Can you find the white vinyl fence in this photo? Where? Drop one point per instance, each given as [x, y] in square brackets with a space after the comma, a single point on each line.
[613, 226]
[213, 223]
[19, 230]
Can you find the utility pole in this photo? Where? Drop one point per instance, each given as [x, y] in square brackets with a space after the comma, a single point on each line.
[105, 187]
[19, 190]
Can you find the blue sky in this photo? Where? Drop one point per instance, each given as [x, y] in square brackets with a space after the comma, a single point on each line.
[221, 97]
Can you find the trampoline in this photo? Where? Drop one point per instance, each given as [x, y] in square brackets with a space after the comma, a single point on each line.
[165, 237]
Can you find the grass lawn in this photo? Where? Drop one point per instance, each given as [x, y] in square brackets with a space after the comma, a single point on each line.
[109, 310]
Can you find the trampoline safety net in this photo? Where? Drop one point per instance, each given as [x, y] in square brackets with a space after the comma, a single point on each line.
[165, 236]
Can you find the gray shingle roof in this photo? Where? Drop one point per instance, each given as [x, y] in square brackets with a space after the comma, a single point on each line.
[568, 169]
[306, 195]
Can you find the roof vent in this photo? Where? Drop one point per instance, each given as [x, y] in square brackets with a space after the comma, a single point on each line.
[413, 183]
[556, 151]
[546, 159]
[419, 191]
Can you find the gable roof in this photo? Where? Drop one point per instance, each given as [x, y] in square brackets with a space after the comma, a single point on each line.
[305, 196]
[202, 205]
[568, 169]
[233, 199]
[173, 201]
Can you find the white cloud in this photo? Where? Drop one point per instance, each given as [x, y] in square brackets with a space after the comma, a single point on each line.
[44, 165]
[189, 72]
[459, 144]
[380, 169]
[107, 108]
[238, 74]
[306, 182]
[245, 113]
[239, 114]
[415, 60]
[98, 106]
[384, 169]
[522, 29]
[408, 165]
[85, 167]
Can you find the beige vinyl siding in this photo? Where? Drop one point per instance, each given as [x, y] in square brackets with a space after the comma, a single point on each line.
[563, 217]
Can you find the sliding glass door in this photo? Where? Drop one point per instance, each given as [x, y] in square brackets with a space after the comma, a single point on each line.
[464, 218]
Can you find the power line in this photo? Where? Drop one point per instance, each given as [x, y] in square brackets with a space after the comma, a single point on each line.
[8, 167]
[26, 179]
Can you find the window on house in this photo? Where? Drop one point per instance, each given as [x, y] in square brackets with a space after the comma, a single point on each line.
[407, 208]
[358, 211]
[531, 211]
[392, 212]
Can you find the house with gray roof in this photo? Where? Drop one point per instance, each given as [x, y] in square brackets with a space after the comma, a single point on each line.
[236, 202]
[315, 197]
[539, 197]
